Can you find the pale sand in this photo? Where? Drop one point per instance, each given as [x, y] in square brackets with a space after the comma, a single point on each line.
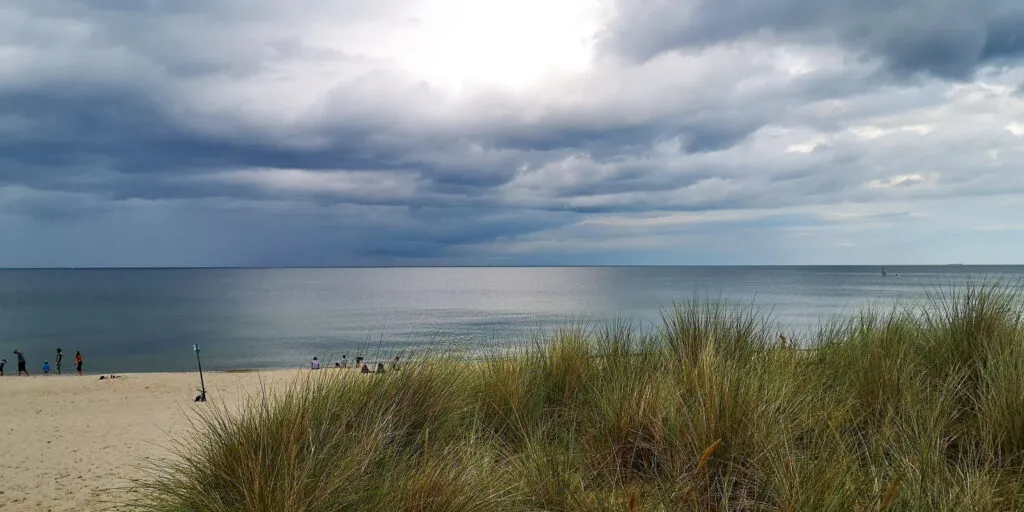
[73, 443]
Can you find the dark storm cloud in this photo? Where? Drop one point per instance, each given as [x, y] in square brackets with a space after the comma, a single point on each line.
[948, 38]
[613, 140]
[79, 132]
[141, 134]
[125, 136]
[76, 134]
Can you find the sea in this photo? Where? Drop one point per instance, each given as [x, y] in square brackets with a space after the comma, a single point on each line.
[150, 320]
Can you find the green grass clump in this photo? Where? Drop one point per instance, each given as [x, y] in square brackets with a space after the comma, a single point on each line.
[910, 409]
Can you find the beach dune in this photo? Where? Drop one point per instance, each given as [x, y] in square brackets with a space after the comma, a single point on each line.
[75, 443]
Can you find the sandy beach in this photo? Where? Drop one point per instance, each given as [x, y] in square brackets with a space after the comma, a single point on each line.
[74, 443]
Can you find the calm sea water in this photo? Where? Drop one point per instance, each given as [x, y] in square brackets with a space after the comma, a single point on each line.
[147, 320]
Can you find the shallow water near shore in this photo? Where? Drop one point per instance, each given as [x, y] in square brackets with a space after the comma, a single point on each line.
[147, 319]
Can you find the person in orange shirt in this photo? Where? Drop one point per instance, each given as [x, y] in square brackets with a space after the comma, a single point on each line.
[78, 362]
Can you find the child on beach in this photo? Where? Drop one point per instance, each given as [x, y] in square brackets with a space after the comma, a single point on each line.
[46, 367]
[60, 357]
[315, 364]
[3, 362]
[78, 362]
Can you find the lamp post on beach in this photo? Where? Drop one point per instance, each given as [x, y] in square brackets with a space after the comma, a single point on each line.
[202, 394]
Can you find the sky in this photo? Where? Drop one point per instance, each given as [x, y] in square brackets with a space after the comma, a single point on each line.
[526, 132]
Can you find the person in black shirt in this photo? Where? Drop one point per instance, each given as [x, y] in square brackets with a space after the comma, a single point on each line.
[21, 363]
[60, 357]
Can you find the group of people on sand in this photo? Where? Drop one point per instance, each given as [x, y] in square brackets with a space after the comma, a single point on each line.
[23, 368]
[363, 368]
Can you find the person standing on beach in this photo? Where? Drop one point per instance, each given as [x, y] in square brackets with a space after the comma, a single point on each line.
[21, 363]
[46, 367]
[3, 362]
[60, 357]
[78, 362]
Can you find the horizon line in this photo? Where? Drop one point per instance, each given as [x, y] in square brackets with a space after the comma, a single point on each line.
[341, 267]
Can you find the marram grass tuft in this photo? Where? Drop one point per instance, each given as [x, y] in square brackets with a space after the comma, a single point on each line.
[917, 408]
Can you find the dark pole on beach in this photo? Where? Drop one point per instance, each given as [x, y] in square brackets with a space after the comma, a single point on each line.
[202, 394]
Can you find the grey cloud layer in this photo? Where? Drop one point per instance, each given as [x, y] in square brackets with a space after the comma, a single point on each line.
[170, 111]
[950, 38]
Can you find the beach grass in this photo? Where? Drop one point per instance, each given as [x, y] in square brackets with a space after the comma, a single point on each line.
[913, 408]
